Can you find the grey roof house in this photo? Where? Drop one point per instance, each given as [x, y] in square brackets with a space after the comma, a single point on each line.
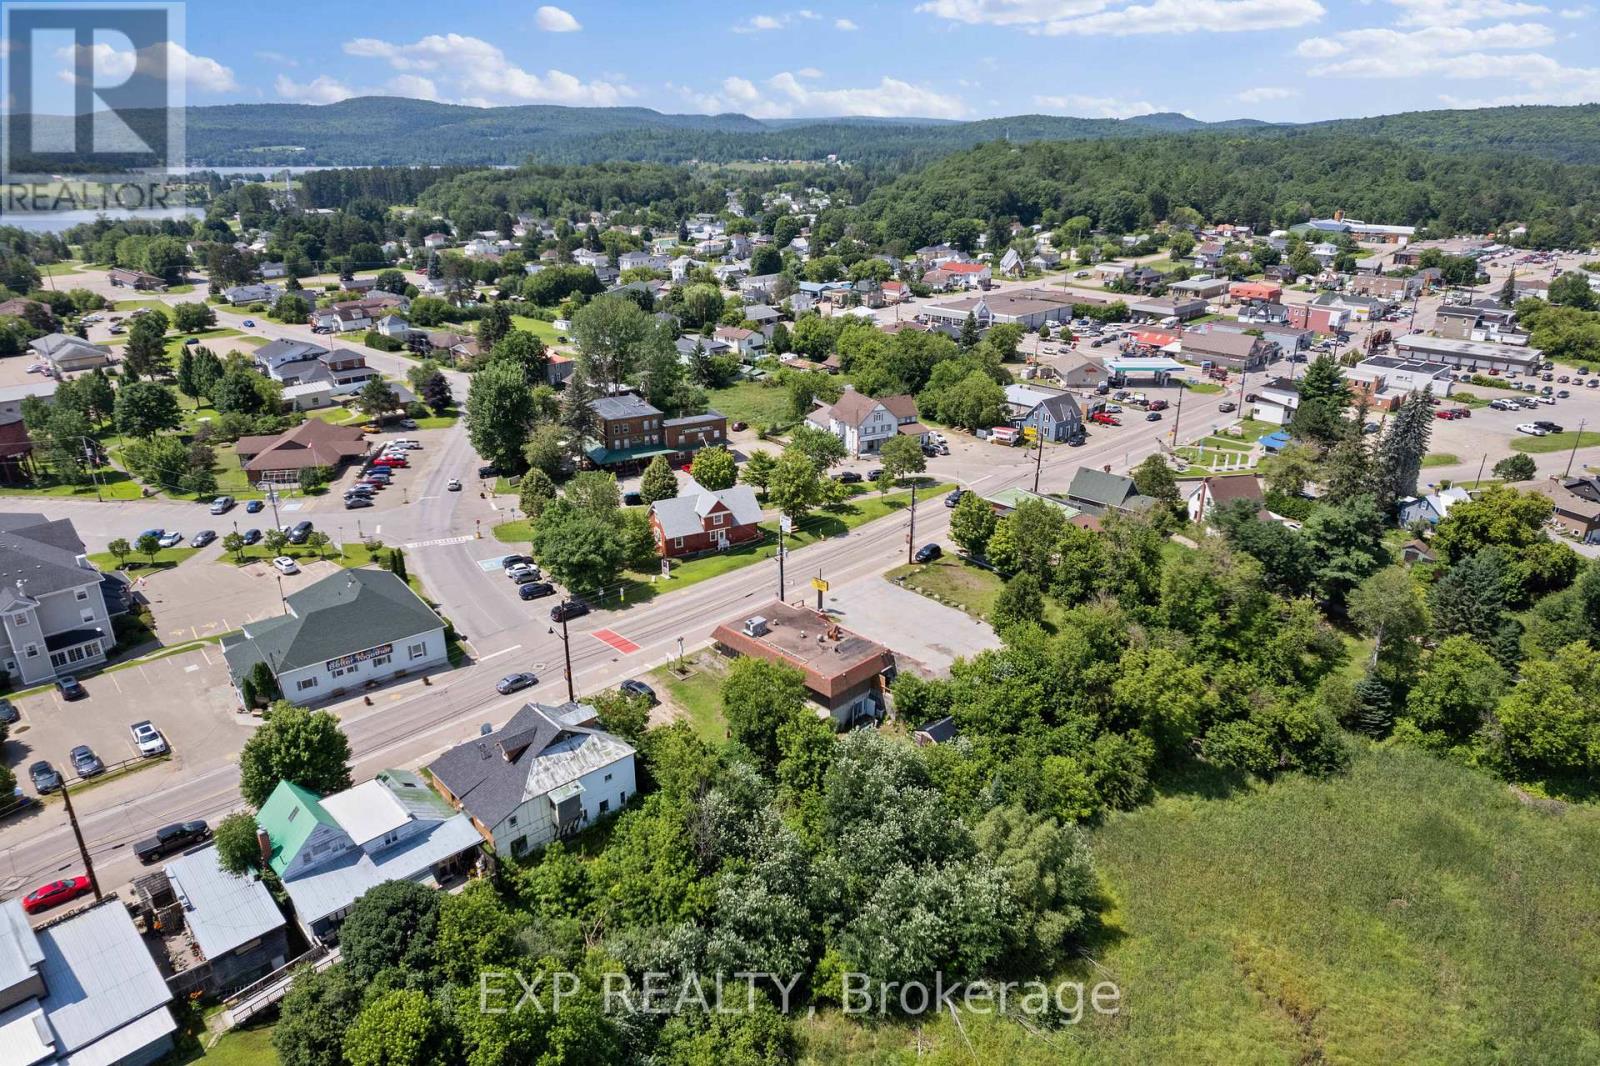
[67, 353]
[1049, 411]
[540, 777]
[53, 613]
[1098, 491]
[356, 628]
[81, 991]
[224, 929]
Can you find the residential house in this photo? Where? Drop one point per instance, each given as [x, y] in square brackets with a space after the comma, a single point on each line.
[1390, 288]
[750, 344]
[53, 614]
[1208, 255]
[969, 275]
[1475, 322]
[1277, 400]
[67, 354]
[1324, 318]
[546, 774]
[1415, 551]
[1011, 264]
[435, 241]
[329, 851]
[1215, 492]
[700, 520]
[122, 277]
[681, 267]
[252, 294]
[1430, 507]
[270, 271]
[846, 675]
[395, 327]
[864, 423]
[223, 929]
[764, 317]
[81, 991]
[759, 288]
[1250, 292]
[1052, 412]
[1004, 501]
[1100, 491]
[636, 260]
[351, 630]
[33, 312]
[936, 255]
[1577, 505]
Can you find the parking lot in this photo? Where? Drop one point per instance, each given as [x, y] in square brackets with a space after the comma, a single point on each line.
[208, 594]
[186, 696]
[405, 483]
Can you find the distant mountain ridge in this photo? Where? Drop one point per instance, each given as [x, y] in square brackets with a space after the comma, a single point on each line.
[393, 130]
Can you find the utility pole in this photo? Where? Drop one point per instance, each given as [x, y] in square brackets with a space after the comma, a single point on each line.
[1038, 462]
[783, 527]
[1575, 441]
[1177, 416]
[1481, 464]
[566, 649]
[911, 534]
[83, 849]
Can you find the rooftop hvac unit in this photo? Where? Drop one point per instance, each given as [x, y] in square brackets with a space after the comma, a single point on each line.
[755, 627]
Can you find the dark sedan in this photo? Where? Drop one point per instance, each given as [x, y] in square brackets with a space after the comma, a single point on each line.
[45, 777]
[632, 687]
[562, 612]
[202, 538]
[927, 553]
[251, 536]
[515, 683]
[253, 507]
[69, 688]
[954, 498]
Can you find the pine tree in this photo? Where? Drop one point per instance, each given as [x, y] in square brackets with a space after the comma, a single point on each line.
[577, 410]
[658, 481]
[186, 376]
[969, 332]
[1374, 706]
[1508, 291]
[1347, 472]
[1399, 459]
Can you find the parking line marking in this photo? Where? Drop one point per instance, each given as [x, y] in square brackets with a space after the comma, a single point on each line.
[616, 640]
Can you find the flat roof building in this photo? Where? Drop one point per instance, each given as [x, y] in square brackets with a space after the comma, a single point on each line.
[845, 673]
[1469, 355]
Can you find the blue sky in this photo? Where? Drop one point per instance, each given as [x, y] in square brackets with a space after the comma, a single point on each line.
[1213, 59]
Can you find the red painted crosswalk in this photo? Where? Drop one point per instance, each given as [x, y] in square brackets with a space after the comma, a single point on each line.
[616, 640]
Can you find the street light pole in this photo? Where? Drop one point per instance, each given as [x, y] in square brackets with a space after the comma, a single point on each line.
[911, 534]
[1575, 441]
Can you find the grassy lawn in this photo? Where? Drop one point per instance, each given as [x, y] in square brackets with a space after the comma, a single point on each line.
[1204, 388]
[1440, 459]
[56, 270]
[1225, 443]
[165, 559]
[355, 554]
[518, 532]
[248, 1046]
[1556, 442]
[864, 507]
[699, 695]
[134, 305]
[437, 421]
[752, 402]
[954, 581]
[1253, 429]
[179, 290]
[545, 331]
[114, 485]
[1315, 921]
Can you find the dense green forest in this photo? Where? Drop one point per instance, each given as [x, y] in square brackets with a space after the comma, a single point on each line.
[394, 131]
[1125, 184]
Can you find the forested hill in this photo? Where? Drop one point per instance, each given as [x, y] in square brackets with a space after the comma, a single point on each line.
[1263, 181]
[395, 131]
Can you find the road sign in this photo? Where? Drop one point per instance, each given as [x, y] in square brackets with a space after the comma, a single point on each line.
[786, 523]
[819, 584]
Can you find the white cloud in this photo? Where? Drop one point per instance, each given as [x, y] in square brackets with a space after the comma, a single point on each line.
[1458, 12]
[554, 20]
[845, 25]
[1446, 51]
[478, 72]
[113, 65]
[1096, 106]
[1262, 94]
[768, 23]
[278, 58]
[414, 86]
[1576, 12]
[785, 96]
[1056, 18]
[320, 90]
[809, 72]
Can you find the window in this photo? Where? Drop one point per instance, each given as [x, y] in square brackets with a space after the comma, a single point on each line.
[83, 594]
[32, 651]
[716, 519]
[605, 805]
[677, 542]
[292, 812]
[19, 619]
[416, 651]
[305, 683]
[519, 846]
[608, 777]
[513, 821]
[381, 660]
[86, 615]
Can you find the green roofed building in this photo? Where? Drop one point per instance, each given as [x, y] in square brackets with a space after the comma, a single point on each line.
[350, 630]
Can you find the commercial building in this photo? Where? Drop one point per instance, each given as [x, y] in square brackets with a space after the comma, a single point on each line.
[353, 629]
[1469, 355]
[1158, 308]
[546, 774]
[313, 443]
[632, 432]
[846, 675]
[1236, 351]
[1387, 380]
[67, 354]
[81, 991]
[53, 614]
[1030, 308]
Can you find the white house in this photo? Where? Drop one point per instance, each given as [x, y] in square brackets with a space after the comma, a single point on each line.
[544, 775]
[864, 423]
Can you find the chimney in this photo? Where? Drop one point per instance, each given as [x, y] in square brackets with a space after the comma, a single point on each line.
[264, 842]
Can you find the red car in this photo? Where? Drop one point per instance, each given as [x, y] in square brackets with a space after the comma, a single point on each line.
[1105, 419]
[54, 894]
[1446, 415]
[390, 460]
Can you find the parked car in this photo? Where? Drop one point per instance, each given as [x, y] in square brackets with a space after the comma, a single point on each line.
[9, 715]
[54, 894]
[285, 565]
[44, 776]
[568, 610]
[170, 540]
[631, 498]
[509, 561]
[408, 423]
[360, 489]
[1226, 406]
[847, 477]
[251, 536]
[148, 739]
[453, 485]
[1104, 419]
[253, 506]
[202, 538]
[85, 763]
[954, 498]
[170, 839]
[632, 687]
[69, 688]
[356, 501]
[1532, 430]
[299, 532]
[222, 505]
[738, 427]
[526, 575]
[536, 590]
[875, 473]
[488, 471]
[927, 553]
[1563, 394]
[391, 460]
[1547, 425]
[515, 683]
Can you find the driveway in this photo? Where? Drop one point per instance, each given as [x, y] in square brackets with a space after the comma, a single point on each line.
[884, 612]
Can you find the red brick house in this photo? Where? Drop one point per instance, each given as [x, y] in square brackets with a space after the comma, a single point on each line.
[699, 520]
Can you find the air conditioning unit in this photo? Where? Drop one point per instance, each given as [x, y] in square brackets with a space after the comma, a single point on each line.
[755, 627]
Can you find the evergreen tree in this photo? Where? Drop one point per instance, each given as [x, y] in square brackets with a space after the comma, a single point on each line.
[1373, 711]
[577, 411]
[435, 269]
[1323, 396]
[1347, 473]
[1508, 291]
[1399, 458]
[186, 382]
[969, 333]
[658, 481]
